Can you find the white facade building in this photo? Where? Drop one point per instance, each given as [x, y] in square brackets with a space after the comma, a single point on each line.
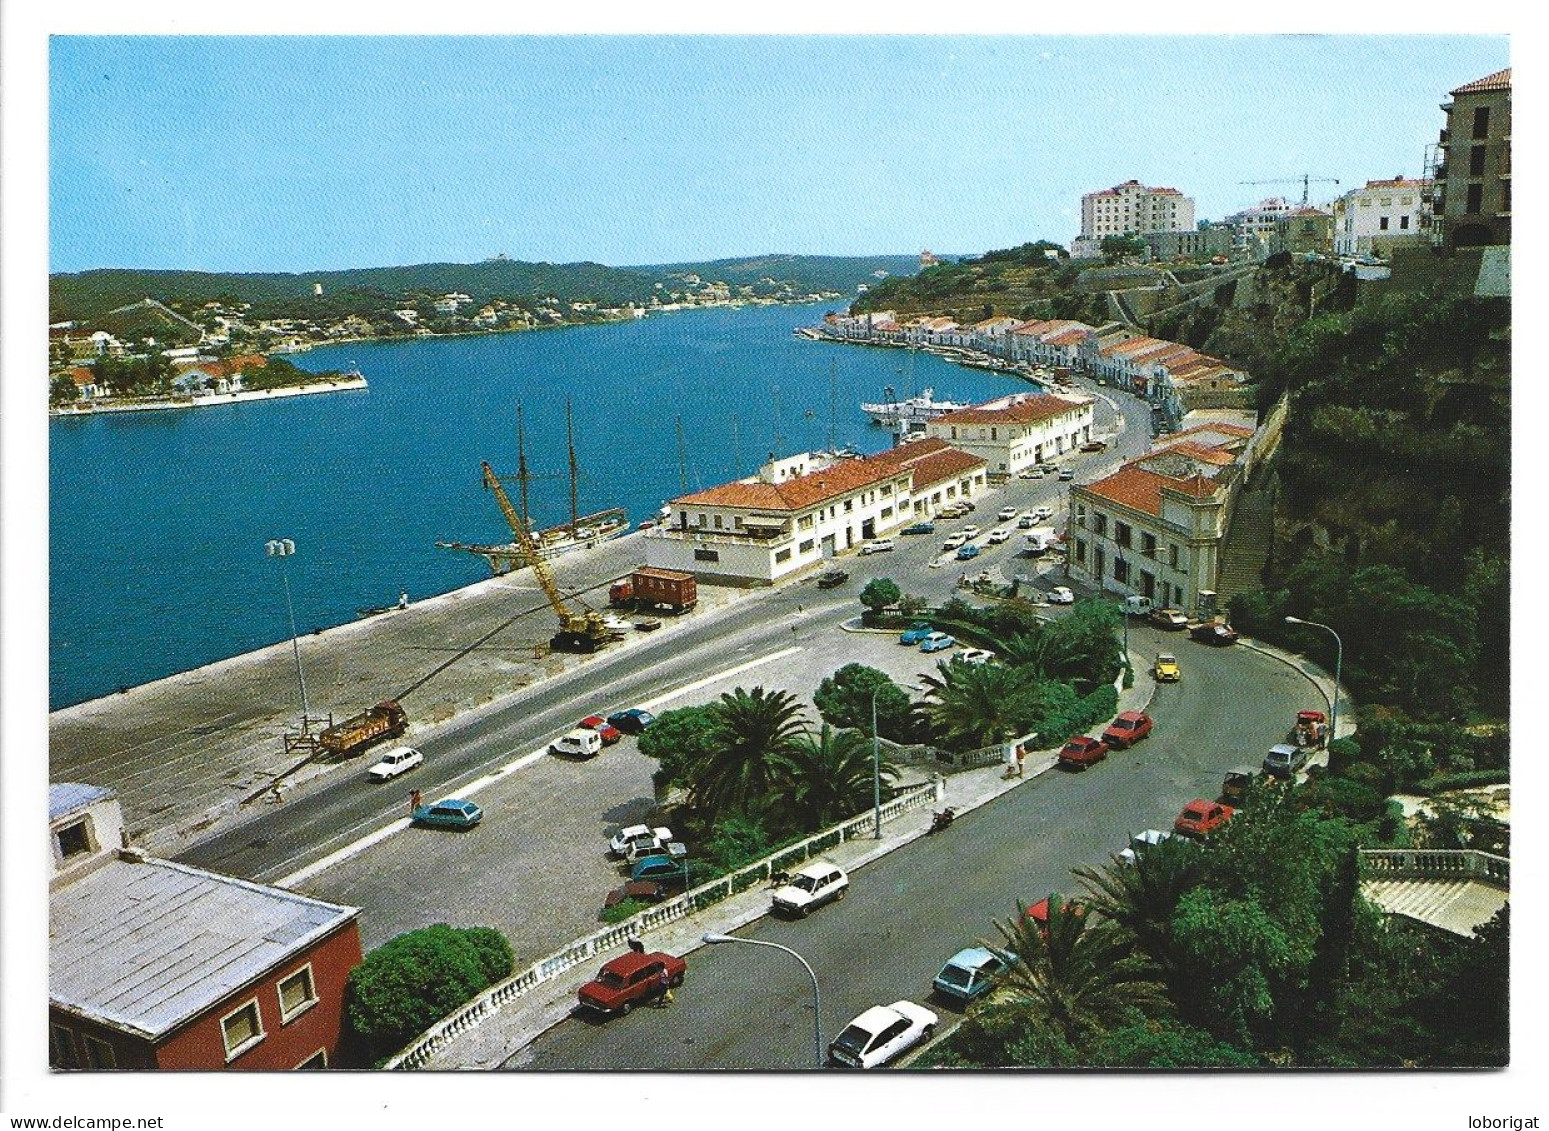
[1130, 208]
[1371, 219]
[1016, 432]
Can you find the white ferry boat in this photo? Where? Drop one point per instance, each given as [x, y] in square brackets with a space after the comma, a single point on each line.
[913, 410]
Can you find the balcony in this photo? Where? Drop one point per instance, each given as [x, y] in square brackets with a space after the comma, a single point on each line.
[748, 536]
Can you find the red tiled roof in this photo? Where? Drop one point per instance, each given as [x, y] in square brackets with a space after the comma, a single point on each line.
[798, 493]
[932, 460]
[1500, 80]
[1141, 489]
[1204, 453]
[1029, 410]
[1229, 429]
[1400, 182]
[1067, 337]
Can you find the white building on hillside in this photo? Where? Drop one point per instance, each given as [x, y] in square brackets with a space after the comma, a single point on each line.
[1130, 209]
[1017, 431]
[1370, 220]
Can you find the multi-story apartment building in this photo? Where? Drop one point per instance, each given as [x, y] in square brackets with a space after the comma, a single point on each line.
[1381, 215]
[1254, 229]
[801, 509]
[1130, 209]
[1015, 432]
[1471, 166]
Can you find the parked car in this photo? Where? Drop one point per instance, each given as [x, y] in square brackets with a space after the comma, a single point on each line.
[453, 813]
[1042, 514]
[919, 528]
[1166, 669]
[1137, 606]
[973, 656]
[915, 633]
[1067, 474]
[631, 720]
[1139, 843]
[608, 732]
[1218, 633]
[938, 642]
[998, 535]
[1234, 786]
[580, 743]
[628, 840]
[1027, 521]
[970, 530]
[971, 973]
[665, 867]
[954, 541]
[832, 579]
[643, 891]
[1039, 912]
[1284, 760]
[967, 553]
[1082, 750]
[880, 1034]
[1060, 595]
[1126, 730]
[399, 760]
[1093, 446]
[1173, 620]
[877, 546]
[1201, 817]
[810, 887]
[1007, 514]
[968, 504]
[629, 980]
[1031, 473]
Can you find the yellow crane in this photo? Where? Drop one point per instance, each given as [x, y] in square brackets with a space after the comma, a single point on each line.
[582, 631]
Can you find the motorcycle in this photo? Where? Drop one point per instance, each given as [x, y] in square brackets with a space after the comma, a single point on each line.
[940, 820]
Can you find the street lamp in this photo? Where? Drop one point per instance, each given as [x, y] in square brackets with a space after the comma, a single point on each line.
[817, 1021]
[283, 548]
[876, 770]
[1339, 656]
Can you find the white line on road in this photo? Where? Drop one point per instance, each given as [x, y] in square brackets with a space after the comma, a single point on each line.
[478, 784]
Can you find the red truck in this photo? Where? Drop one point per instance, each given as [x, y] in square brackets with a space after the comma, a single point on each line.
[631, 979]
[343, 740]
[649, 588]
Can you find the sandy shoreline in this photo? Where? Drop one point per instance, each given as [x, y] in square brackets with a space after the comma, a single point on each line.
[211, 400]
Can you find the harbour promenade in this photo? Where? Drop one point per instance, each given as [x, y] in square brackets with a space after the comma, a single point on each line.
[185, 751]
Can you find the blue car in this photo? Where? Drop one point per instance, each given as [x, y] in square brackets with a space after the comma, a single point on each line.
[449, 814]
[915, 633]
[937, 642]
[660, 867]
[919, 528]
[632, 720]
[971, 973]
[964, 553]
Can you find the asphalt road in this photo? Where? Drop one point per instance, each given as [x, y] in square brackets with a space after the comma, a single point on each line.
[751, 1008]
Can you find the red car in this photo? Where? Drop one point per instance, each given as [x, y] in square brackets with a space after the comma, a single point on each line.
[610, 734]
[1039, 912]
[631, 979]
[1082, 750]
[1126, 730]
[1201, 817]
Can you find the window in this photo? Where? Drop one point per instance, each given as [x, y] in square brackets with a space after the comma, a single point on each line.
[707, 555]
[61, 1048]
[1099, 524]
[74, 840]
[849, 505]
[806, 547]
[297, 994]
[99, 1054]
[319, 1059]
[737, 521]
[1148, 545]
[1482, 122]
[1081, 515]
[241, 1030]
[1121, 534]
[1476, 161]
[1172, 555]
[1403, 223]
[1382, 223]
[783, 555]
[804, 523]
[1081, 550]
[887, 512]
[718, 517]
[1475, 199]
[701, 521]
[1120, 570]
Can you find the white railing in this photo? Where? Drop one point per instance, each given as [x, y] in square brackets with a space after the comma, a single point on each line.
[1436, 864]
[582, 950]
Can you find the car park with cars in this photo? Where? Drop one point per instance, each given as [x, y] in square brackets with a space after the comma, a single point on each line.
[1166, 669]
[1127, 729]
[998, 535]
[1311, 729]
[832, 579]
[881, 1034]
[631, 720]
[1139, 844]
[1081, 751]
[955, 540]
[452, 813]
[630, 980]
[1173, 620]
[641, 891]
[1067, 474]
[665, 867]
[1201, 817]
[1007, 514]
[973, 656]
[915, 633]
[971, 973]
[1284, 760]
[580, 743]
[810, 887]
[937, 642]
[399, 760]
[1234, 786]
[1027, 521]
[919, 528]
[1031, 473]
[970, 531]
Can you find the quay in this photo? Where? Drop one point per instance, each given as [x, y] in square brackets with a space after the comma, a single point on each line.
[212, 400]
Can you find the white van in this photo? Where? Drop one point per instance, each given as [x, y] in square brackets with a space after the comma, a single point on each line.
[578, 744]
[1040, 540]
[877, 546]
[1137, 606]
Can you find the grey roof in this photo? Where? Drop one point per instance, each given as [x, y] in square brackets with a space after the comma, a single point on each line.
[67, 796]
[146, 946]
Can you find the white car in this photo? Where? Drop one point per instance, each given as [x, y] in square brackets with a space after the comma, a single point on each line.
[1027, 521]
[877, 546]
[399, 760]
[970, 532]
[954, 541]
[1060, 595]
[812, 886]
[1032, 473]
[1139, 843]
[1042, 514]
[973, 656]
[1007, 513]
[999, 535]
[639, 840]
[882, 1033]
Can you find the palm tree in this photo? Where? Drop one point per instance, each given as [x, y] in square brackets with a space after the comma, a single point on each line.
[826, 777]
[1079, 974]
[1141, 896]
[972, 705]
[756, 728]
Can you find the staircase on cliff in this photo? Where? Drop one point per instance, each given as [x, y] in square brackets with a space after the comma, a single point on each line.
[1245, 549]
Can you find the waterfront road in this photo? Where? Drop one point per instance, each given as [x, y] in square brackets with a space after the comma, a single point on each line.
[750, 1008]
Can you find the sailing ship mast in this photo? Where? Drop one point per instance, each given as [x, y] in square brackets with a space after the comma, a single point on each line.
[522, 473]
[575, 515]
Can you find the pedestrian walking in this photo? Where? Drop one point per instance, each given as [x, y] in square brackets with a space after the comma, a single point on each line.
[1021, 758]
[664, 999]
[414, 801]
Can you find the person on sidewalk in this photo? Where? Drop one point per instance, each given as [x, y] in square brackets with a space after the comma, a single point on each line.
[414, 801]
[664, 999]
[1021, 758]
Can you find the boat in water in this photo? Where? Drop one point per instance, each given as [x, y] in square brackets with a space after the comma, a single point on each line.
[912, 410]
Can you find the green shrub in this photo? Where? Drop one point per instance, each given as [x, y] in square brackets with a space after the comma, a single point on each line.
[1342, 752]
[624, 909]
[1472, 779]
[410, 982]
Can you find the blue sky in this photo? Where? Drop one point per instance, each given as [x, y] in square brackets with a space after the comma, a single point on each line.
[305, 153]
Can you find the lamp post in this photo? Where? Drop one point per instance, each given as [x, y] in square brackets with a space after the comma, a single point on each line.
[876, 771]
[817, 1020]
[1339, 657]
[283, 548]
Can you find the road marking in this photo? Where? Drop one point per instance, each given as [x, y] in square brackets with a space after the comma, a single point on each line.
[355, 848]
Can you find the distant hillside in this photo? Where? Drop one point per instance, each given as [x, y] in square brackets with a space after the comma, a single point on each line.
[1021, 281]
[805, 273]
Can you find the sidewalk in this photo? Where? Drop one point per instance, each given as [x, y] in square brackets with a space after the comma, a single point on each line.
[503, 1034]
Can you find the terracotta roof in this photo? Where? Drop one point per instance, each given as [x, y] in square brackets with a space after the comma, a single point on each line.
[932, 460]
[1067, 337]
[1399, 182]
[1229, 429]
[1204, 453]
[1029, 410]
[1500, 80]
[797, 493]
[83, 376]
[1141, 489]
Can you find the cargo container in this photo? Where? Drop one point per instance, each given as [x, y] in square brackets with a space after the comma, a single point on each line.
[649, 588]
[343, 740]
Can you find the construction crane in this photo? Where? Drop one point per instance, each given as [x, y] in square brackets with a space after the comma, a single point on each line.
[1307, 179]
[583, 631]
